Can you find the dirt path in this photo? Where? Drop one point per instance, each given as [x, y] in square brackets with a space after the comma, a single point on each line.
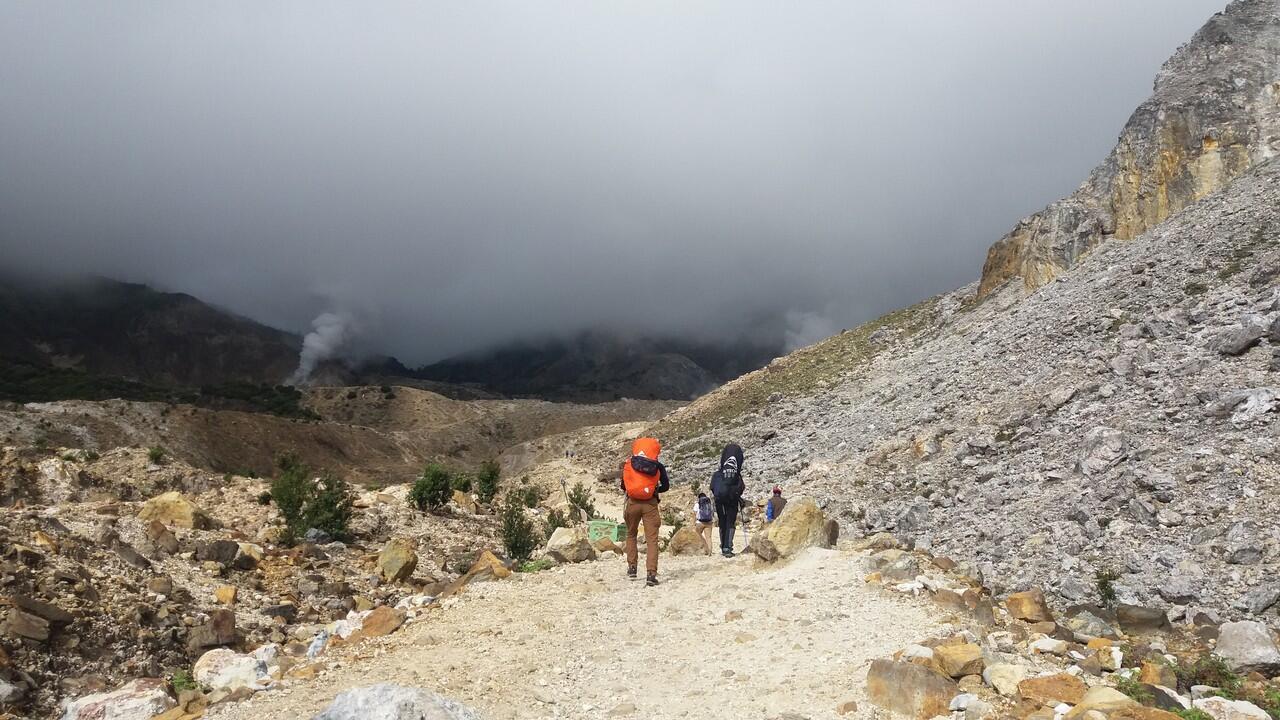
[584, 642]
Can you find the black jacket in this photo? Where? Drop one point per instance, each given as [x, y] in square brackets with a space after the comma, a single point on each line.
[726, 483]
[664, 482]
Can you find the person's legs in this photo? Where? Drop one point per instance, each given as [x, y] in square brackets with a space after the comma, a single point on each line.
[631, 516]
[724, 524]
[704, 532]
[652, 521]
[731, 518]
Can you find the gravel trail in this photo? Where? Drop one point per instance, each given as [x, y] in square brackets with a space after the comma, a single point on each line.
[719, 638]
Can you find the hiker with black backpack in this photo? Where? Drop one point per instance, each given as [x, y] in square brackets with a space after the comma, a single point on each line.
[643, 479]
[703, 518]
[727, 487]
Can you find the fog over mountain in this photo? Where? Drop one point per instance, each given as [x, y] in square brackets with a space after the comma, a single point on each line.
[454, 176]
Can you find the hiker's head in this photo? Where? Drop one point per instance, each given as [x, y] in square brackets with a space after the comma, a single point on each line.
[646, 447]
[777, 490]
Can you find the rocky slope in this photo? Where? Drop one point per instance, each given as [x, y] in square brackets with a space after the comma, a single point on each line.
[1117, 419]
[1214, 114]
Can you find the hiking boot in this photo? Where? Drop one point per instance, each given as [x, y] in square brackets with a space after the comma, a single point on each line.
[651, 580]
[727, 553]
[631, 572]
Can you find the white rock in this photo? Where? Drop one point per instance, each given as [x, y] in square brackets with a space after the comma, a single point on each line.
[393, 702]
[1247, 646]
[1224, 709]
[138, 700]
[223, 669]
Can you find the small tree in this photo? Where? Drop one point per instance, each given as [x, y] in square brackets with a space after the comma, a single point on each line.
[325, 503]
[487, 481]
[519, 536]
[555, 519]
[461, 482]
[580, 499]
[156, 455]
[433, 489]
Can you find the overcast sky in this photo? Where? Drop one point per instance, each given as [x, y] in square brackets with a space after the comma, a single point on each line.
[457, 174]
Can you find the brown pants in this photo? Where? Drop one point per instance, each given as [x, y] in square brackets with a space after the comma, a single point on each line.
[635, 512]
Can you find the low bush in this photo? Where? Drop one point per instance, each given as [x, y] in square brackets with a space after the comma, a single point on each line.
[462, 482]
[519, 535]
[534, 566]
[306, 502]
[1209, 670]
[155, 455]
[182, 681]
[580, 499]
[433, 489]
[487, 481]
[555, 519]
[1105, 581]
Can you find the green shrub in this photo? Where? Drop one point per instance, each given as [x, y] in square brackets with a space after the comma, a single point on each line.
[182, 681]
[264, 497]
[1209, 670]
[487, 481]
[1105, 580]
[672, 517]
[1131, 687]
[529, 494]
[461, 482]
[519, 535]
[156, 455]
[433, 489]
[323, 503]
[555, 519]
[538, 565]
[580, 499]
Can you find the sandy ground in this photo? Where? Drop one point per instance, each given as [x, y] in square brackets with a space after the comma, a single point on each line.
[719, 638]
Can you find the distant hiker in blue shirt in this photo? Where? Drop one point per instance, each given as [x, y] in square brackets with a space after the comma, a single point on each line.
[775, 506]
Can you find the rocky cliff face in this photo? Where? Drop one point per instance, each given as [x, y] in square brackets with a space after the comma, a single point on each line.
[1215, 113]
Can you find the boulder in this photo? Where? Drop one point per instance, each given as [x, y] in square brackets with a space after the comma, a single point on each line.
[958, 660]
[909, 689]
[687, 541]
[1004, 677]
[1156, 672]
[382, 620]
[486, 567]
[1085, 626]
[1223, 709]
[1248, 646]
[465, 502]
[161, 537]
[226, 594]
[1260, 599]
[1029, 606]
[1141, 620]
[172, 508]
[141, 699]
[1237, 340]
[570, 545]
[397, 561]
[223, 669]
[219, 630]
[803, 525]
[21, 624]
[1053, 689]
[1101, 449]
[605, 544]
[222, 552]
[1102, 699]
[393, 702]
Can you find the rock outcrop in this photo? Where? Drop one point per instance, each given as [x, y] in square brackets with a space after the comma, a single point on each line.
[1214, 114]
[803, 525]
[393, 702]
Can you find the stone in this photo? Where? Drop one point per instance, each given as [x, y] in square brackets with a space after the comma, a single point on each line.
[958, 660]
[1102, 449]
[605, 544]
[1004, 677]
[393, 702]
[1102, 699]
[172, 508]
[219, 630]
[907, 688]
[1049, 646]
[1154, 672]
[1085, 626]
[20, 624]
[1248, 646]
[570, 545]
[1141, 620]
[224, 669]
[466, 503]
[1238, 340]
[383, 620]
[1029, 606]
[49, 612]
[226, 594]
[287, 612]
[140, 699]
[397, 561]
[1053, 689]
[803, 525]
[1223, 709]
[1138, 712]
[687, 541]
[1166, 697]
[161, 537]
[1260, 599]
[222, 552]
[846, 707]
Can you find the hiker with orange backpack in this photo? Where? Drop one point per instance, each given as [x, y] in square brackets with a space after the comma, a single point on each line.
[643, 479]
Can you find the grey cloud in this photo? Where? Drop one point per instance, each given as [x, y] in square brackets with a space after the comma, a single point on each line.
[458, 174]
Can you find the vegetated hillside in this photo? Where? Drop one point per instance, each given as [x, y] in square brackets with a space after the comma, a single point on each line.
[1119, 418]
[107, 328]
[599, 367]
[364, 433]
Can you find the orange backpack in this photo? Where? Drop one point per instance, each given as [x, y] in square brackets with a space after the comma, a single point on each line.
[641, 472]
